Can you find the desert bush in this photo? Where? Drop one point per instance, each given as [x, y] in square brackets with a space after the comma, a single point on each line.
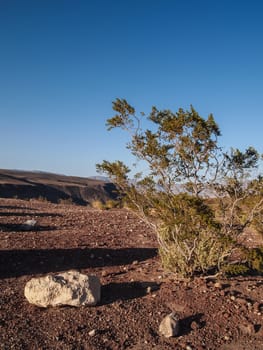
[65, 201]
[42, 199]
[254, 259]
[185, 166]
[251, 263]
[109, 204]
[191, 242]
[239, 192]
[97, 204]
[236, 269]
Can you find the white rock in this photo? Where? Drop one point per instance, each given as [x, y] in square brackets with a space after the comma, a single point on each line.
[69, 288]
[169, 327]
[92, 332]
[29, 225]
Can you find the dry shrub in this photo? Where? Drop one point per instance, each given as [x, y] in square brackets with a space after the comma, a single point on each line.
[65, 201]
[97, 204]
[111, 204]
[190, 239]
[182, 164]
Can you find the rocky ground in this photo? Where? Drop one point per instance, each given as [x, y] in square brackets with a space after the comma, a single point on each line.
[136, 292]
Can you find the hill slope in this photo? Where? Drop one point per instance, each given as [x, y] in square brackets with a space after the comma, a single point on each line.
[53, 187]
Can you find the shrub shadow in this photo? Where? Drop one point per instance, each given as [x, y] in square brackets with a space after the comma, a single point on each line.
[15, 263]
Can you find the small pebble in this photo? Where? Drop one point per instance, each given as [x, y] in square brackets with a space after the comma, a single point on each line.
[92, 333]
[247, 328]
[194, 325]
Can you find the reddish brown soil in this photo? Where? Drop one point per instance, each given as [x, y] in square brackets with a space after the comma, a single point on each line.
[121, 251]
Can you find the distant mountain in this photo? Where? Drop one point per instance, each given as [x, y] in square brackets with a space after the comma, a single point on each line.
[100, 178]
[54, 187]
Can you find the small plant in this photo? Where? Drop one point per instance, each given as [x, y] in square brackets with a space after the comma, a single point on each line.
[65, 201]
[111, 204]
[42, 199]
[97, 204]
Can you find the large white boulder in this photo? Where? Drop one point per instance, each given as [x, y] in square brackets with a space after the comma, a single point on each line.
[68, 288]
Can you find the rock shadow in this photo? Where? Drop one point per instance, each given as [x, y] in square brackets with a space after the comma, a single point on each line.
[15, 263]
[191, 323]
[113, 292]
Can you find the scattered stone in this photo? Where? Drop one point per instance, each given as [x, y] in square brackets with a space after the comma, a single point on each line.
[69, 288]
[92, 332]
[153, 287]
[251, 287]
[233, 292]
[176, 306]
[188, 347]
[247, 328]
[249, 305]
[218, 285]
[256, 306]
[28, 225]
[195, 325]
[169, 326]
[149, 290]
[223, 293]
[241, 301]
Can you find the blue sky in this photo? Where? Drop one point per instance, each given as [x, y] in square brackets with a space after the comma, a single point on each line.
[63, 62]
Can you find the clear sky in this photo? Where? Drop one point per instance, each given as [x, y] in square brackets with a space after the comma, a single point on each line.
[63, 62]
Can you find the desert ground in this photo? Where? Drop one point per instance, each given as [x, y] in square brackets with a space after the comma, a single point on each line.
[136, 292]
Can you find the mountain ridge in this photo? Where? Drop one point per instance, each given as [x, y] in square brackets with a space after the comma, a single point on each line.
[25, 184]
